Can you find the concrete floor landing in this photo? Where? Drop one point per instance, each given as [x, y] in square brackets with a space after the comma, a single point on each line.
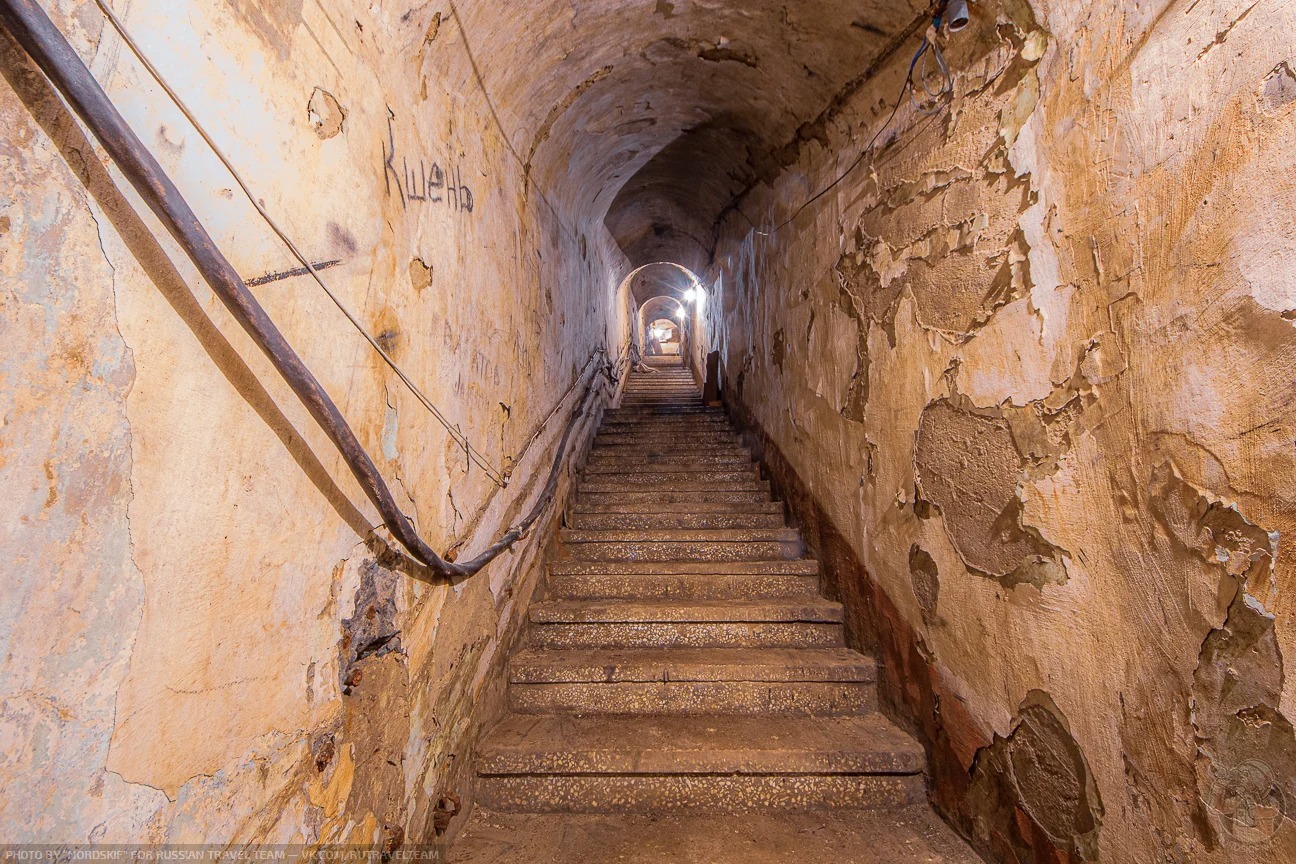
[685, 693]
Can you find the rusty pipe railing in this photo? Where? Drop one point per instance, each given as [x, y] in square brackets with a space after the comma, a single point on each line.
[50, 50]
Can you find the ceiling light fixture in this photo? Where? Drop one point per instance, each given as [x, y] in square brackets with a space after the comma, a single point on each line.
[956, 15]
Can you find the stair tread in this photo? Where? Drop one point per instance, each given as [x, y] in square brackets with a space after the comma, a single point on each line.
[630, 665]
[801, 567]
[679, 535]
[682, 587]
[673, 483]
[558, 744]
[813, 610]
[683, 659]
[683, 508]
[909, 835]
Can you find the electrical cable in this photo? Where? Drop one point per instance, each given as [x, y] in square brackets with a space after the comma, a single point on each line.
[459, 438]
[946, 88]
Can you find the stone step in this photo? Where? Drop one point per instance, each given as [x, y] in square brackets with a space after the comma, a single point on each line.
[669, 441]
[744, 474]
[637, 414]
[661, 460]
[648, 419]
[798, 568]
[684, 550]
[674, 521]
[649, 666]
[687, 794]
[680, 390]
[686, 535]
[698, 698]
[696, 507]
[801, 567]
[719, 634]
[603, 463]
[669, 397]
[671, 430]
[615, 495]
[663, 586]
[525, 744]
[684, 380]
[655, 402]
[618, 447]
[909, 835]
[815, 610]
[662, 624]
[673, 485]
[676, 381]
[726, 544]
[630, 445]
[654, 415]
[659, 400]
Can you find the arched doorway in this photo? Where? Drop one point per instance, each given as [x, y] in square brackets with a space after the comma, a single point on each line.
[667, 293]
[663, 337]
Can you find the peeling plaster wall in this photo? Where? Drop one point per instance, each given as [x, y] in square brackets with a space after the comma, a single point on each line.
[202, 638]
[1025, 376]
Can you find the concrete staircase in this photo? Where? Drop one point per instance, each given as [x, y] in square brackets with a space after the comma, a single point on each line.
[682, 660]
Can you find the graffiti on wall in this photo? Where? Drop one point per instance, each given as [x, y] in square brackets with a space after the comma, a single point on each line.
[420, 182]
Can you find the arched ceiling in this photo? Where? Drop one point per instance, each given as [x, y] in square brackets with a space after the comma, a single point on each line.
[653, 114]
[660, 307]
[660, 279]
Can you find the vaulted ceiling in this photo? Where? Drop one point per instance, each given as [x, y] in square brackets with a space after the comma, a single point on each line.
[654, 114]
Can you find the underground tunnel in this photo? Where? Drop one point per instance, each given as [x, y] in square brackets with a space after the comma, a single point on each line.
[632, 430]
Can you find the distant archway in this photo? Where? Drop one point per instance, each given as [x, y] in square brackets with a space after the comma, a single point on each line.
[664, 337]
[661, 291]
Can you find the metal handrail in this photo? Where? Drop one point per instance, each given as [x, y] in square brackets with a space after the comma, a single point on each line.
[50, 50]
[474, 455]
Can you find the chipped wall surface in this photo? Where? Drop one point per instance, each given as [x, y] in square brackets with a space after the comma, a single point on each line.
[1029, 368]
[203, 638]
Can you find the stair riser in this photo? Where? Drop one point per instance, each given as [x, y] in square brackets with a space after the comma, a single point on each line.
[675, 667]
[697, 698]
[669, 522]
[648, 414]
[671, 407]
[667, 432]
[659, 451]
[698, 794]
[681, 444]
[688, 635]
[658, 413]
[596, 498]
[622, 447]
[657, 478]
[680, 447]
[677, 763]
[684, 551]
[729, 568]
[671, 491]
[690, 509]
[603, 463]
[682, 587]
[648, 420]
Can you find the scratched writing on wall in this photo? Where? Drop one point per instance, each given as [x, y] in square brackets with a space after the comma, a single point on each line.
[419, 182]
